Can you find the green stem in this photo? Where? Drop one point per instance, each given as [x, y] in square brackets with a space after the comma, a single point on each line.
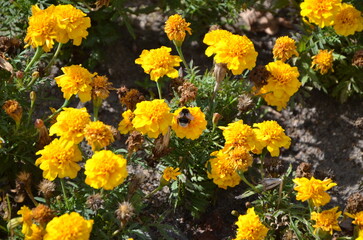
[263, 155]
[241, 174]
[36, 56]
[57, 51]
[95, 112]
[178, 49]
[159, 89]
[64, 193]
[65, 104]
[154, 191]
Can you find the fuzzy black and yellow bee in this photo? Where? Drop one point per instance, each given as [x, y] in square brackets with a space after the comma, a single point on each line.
[184, 117]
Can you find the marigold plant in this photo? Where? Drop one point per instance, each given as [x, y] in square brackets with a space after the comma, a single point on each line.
[326, 220]
[197, 124]
[250, 227]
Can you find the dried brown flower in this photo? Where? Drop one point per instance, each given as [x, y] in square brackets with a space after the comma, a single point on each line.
[259, 76]
[161, 148]
[216, 118]
[134, 141]
[47, 188]
[129, 98]
[274, 167]
[358, 58]
[22, 186]
[101, 3]
[44, 138]
[354, 203]
[42, 214]
[188, 92]
[124, 212]
[245, 103]
[8, 45]
[219, 72]
[95, 202]
[304, 170]
[100, 87]
[13, 109]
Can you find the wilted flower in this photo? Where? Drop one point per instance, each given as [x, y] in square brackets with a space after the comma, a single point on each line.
[284, 48]
[152, 117]
[326, 220]
[105, 170]
[259, 76]
[313, 190]
[42, 214]
[98, 135]
[95, 201]
[100, 87]
[348, 20]
[158, 63]
[320, 12]
[175, 28]
[245, 103]
[134, 141]
[69, 226]
[76, 80]
[250, 227]
[323, 61]
[188, 122]
[358, 58]
[47, 188]
[188, 92]
[125, 126]
[170, 173]
[44, 138]
[14, 110]
[130, 98]
[124, 212]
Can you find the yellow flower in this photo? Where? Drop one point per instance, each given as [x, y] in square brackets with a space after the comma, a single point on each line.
[249, 227]
[37, 233]
[14, 110]
[224, 167]
[281, 85]
[320, 12]
[360, 234]
[70, 124]
[314, 190]
[42, 30]
[72, 24]
[105, 170]
[284, 48]
[75, 80]
[272, 136]
[170, 173]
[152, 117]
[238, 52]
[212, 38]
[358, 219]
[194, 119]
[26, 218]
[238, 134]
[125, 126]
[348, 20]
[59, 159]
[158, 63]
[175, 28]
[98, 135]
[323, 61]
[326, 220]
[70, 226]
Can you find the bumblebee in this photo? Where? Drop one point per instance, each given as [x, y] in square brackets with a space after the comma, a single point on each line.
[184, 117]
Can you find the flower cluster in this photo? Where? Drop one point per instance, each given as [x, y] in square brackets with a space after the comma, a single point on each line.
[59, 23]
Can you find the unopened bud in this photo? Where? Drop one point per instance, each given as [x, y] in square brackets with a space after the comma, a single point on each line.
[216, 118]
[19, 74]
[39, 123]
[35, 75]
[234, 213]
[33, 96]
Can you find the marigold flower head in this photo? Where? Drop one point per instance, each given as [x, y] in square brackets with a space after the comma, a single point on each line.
[313, 190]
[37, 233]
[59, 159]
[239, 134]
[238, 52]
[212, 38]
[26, 218]
[326, 220]
[42, 30]
[69, 226]
[193, 127]
[358, 218]
[281, 85]
[125, 126]
[272, 136]
[42, 214]
[284, 48]
[70, 124]
[98, 135]
[320, 12]
[75, 80]
[14, 110]
[152, 117]
[105, 170]
[175, 28]
[360, 234]
[158, 63]
[323, 61]
[348, 20]
[250, 227]
[72, 24]
[100, 87]
[170, 173]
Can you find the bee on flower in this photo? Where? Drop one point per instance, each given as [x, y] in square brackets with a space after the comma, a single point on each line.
[188, 122]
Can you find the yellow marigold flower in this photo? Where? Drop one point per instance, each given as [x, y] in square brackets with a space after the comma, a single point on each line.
[238, 134]
[69, 226]
[14, 110]
[59, 159]
[170, 173]
[152, 117]
[189, 122]
[360, 234]
[313, 190]
[105, 170]
[72, 24]
[42, 30]
[26, 218]
[272, 136]
[175, 28]
[358, 218]
[238, 52]
[225, 165]
[37, 233]
[326, 220]
[281, 85]
[284, 48]
[212, 38]
[100, 87]
[250, 227]
[125, 126]
[348, 20]
[320, 12]
[98, 135]
[323, 61]
[70, 124]
[75, 80]
[158, 63]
